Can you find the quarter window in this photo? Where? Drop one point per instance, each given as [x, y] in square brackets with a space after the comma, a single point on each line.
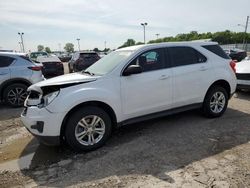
[185, 56]
[150, 60]
[5, 61]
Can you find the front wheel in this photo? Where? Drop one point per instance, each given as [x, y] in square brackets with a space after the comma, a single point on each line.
[215, 102]
[88, 129]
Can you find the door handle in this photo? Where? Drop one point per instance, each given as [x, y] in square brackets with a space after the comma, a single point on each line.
[164, 77]
[203, 68]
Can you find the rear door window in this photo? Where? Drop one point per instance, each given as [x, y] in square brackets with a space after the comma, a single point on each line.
[181, 56]
[5, 61]
[216, 49]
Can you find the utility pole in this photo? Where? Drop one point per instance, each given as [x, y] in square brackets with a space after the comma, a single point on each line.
[59, 45]
[78, 40]
[157, 35]
[20, 44]
[245, 38]
[21, 35]
[144, 25]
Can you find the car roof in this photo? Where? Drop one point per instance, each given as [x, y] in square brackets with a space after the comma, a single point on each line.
[87, 52]
[13, 53]
[43, 59]
[166, 44]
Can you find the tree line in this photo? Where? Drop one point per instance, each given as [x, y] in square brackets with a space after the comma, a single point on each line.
[222, 37]
[69, 47]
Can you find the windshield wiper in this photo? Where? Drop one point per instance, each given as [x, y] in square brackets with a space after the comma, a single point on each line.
[89, 73]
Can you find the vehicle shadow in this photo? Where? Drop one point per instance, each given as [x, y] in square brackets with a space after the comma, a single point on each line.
[7, 112]
[153, 148]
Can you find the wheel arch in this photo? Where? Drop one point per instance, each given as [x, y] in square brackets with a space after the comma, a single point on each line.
[221, 83]
[9, 82]
[107, 108]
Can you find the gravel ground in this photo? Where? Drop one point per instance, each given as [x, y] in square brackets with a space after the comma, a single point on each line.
[184, 150]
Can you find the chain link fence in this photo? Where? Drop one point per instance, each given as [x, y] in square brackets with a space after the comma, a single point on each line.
[239, 46]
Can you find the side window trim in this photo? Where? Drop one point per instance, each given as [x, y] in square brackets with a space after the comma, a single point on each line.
[168, 61]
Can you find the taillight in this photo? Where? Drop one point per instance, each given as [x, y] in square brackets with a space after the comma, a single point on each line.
[233, 65]
[36, 68]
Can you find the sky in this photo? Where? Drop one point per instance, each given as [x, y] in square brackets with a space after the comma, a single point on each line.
[53, 23]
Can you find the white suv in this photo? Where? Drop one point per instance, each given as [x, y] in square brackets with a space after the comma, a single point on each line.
[129, 85]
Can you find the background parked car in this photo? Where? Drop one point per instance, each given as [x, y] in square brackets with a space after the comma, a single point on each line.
[247, 58]
[17, 72]
[52, 66]
[236, 54]
[82, 60]
[243, 74]
[65, 57]
[34, 55]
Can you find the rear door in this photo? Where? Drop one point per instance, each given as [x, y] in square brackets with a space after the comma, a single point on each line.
[5, 62]
[191, 72]
[149, 91]
[19, 68]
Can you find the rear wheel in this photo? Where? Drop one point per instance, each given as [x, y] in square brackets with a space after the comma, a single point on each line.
[88, 129]
[15, 95]
[215, 102]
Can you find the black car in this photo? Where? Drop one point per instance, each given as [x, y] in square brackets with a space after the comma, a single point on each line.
[65, 57]
[52, 66]
[236, 54]
[82, 60]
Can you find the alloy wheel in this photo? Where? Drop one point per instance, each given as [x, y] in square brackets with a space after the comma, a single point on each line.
[217, 102]
[17, 96]
[90, 130]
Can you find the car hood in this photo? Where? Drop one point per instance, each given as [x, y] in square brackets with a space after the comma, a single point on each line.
[63, 81]
[243, 67]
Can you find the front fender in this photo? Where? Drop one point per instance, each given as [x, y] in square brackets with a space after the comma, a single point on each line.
[70, 97]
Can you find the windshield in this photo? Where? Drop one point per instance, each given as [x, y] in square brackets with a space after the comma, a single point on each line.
[36, 54]
[108, 62]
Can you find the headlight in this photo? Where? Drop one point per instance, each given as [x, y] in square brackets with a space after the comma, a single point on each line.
[47, 99]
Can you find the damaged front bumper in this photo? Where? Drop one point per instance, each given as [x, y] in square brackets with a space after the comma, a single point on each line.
[43, 124]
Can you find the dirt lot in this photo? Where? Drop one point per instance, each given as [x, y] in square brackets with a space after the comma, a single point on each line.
[184, 150]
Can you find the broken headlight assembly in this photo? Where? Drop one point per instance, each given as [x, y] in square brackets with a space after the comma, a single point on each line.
[42, 97]
[47, 99]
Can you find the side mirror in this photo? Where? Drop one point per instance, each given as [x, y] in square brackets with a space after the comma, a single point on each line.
[132, 69]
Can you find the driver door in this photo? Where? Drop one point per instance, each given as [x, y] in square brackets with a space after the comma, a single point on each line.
[149, 91]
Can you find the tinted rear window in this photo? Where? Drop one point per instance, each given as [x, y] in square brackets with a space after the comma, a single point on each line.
[185, 56]
[88, 55]
[5, 61]
[217, 50]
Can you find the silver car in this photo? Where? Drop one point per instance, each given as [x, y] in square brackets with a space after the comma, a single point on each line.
[17, 73]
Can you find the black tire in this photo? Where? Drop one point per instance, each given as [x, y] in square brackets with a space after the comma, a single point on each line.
[208, 109]
[72, 127]
[12, 98]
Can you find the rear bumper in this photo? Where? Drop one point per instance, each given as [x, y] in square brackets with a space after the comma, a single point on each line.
[53, 72]
[243, 84]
